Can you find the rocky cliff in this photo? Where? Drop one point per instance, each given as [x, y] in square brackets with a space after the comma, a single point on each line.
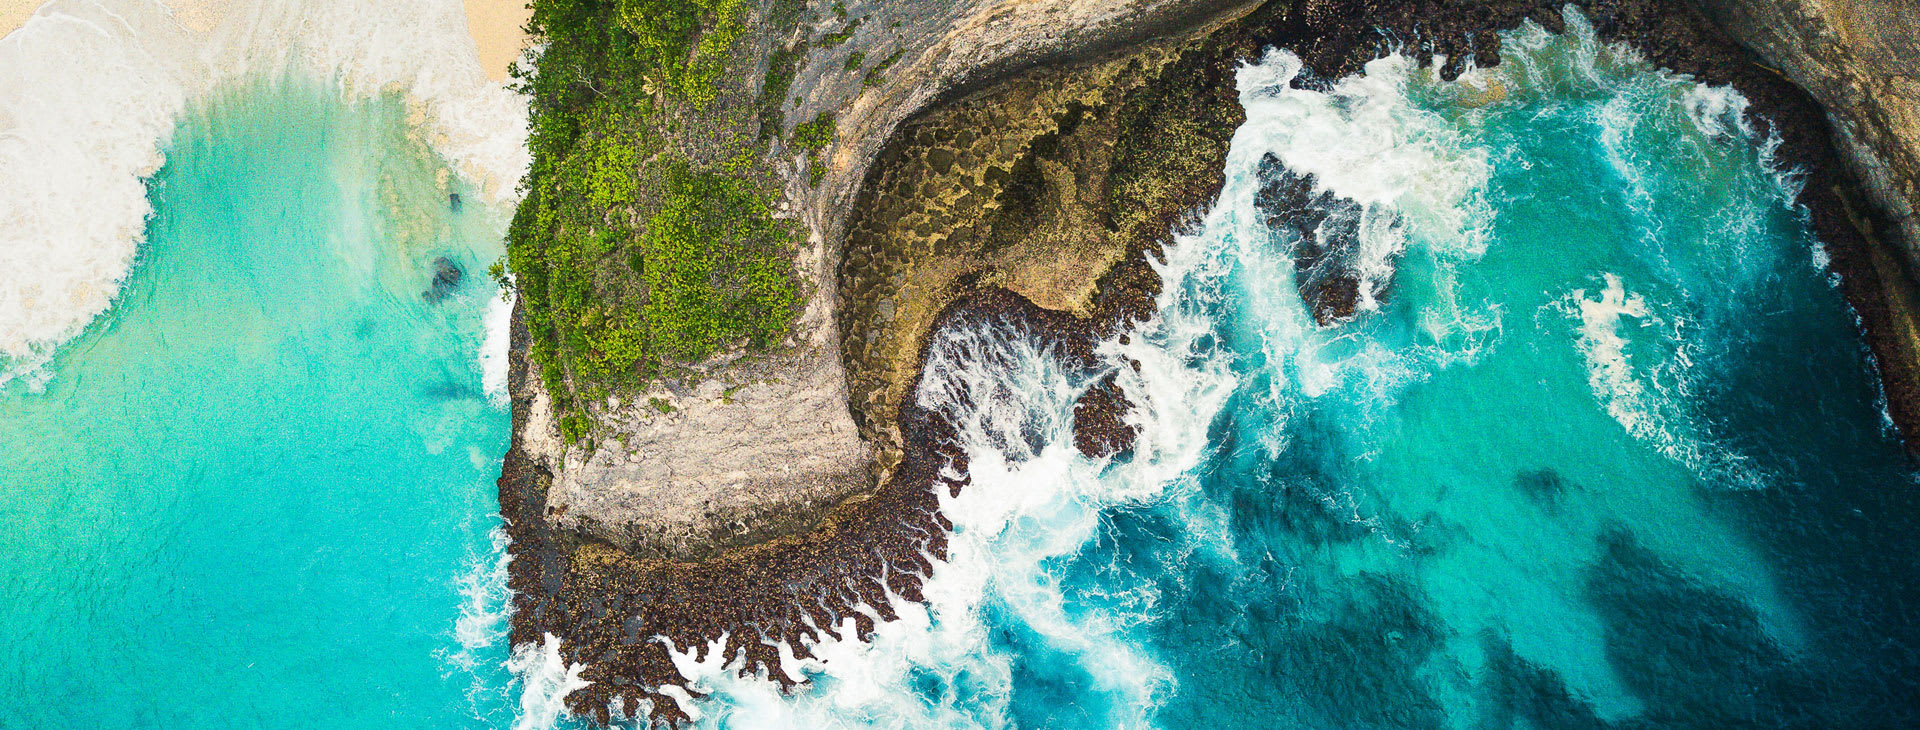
[1861, 60]
[763, 446]
[1018, 158]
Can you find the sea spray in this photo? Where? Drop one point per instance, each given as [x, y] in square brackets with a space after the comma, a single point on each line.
[1427, 515]
[89, 99]
[496, 348]
[545, 681]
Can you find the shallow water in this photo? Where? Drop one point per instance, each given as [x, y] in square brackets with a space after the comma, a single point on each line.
[259, 493]
[1602, 447]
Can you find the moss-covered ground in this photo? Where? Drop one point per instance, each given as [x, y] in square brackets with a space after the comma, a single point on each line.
[647, 239]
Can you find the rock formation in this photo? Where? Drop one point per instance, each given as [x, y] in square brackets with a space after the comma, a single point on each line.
[1017, 159]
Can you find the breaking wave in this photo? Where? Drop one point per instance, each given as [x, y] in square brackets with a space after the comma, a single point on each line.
[1299, 535]
[95, 87]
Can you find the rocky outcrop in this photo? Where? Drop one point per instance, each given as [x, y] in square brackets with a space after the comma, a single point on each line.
[760, 447]
[1016, 159]
[1861, 60]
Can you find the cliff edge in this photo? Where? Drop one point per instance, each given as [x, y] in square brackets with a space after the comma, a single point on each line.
[1020, 158]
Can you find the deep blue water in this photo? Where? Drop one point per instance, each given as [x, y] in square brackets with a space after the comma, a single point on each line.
[1601, 448]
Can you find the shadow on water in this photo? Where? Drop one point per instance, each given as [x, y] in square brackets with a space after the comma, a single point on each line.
[1698, 656]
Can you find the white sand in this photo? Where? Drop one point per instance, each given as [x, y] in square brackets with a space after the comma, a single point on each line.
[495, 25]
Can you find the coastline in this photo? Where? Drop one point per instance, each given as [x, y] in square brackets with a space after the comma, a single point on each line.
[871, 545]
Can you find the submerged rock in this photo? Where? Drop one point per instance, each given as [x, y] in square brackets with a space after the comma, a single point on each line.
[447, 276]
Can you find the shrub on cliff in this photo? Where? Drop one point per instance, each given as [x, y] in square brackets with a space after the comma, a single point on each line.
[646, 236]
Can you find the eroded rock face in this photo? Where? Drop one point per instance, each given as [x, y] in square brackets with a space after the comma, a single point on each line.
[763, 446]
[757, 505]
[1861, 60]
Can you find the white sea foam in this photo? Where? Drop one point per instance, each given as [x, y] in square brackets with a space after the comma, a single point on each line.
[1653, 401]
[494, 348]
[486, 602]
[545, 681]
[90, 95]
[1717, 111]
[1609, 372]
[1418, 178]
[1032, 500]
[95, 87]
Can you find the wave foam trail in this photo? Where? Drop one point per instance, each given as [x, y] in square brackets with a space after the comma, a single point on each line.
[95, 87]
[494, 348]
[486, 601]
[1032, 501]
[1608, 370]
[89, 97]
[1367, 140]
[545, 681]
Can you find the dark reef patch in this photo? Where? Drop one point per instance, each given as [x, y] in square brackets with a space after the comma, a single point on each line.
[1523, 694]
[1159, 155]
[1360, 666]
[1544, 486]
[447, 276]
[1698, 656]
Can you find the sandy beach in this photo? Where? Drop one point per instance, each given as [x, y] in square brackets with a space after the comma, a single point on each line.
[494, 24]
[15, 12]
[496, 28]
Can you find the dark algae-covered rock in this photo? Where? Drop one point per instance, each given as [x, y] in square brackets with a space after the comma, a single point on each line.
[1327, 231]
[1035, 194]
[447, 276]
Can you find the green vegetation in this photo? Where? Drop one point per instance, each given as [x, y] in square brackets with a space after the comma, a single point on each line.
[839, 36]
[575, 426]
[646, 239]
[878, 73]
[780, 70]
[855, 59]
[812, 137]
[718, 284]
[661, 405]
[815, 135]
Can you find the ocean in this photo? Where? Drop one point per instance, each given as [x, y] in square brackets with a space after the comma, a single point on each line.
[1600, 447]
[259, 491]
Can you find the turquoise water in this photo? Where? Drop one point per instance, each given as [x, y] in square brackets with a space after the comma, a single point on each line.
[1601, 448]
[259, 494]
